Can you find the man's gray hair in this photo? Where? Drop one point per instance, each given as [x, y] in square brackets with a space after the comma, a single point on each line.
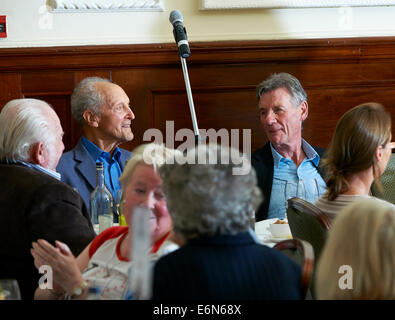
[23, 124]
[208, 199]
[86, 97]
[283, 80]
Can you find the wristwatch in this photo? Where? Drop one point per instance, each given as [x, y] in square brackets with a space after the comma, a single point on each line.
[78, 291]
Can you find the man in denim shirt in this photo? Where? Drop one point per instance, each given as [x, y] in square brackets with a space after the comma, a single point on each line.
[287, 166]
[102, 109]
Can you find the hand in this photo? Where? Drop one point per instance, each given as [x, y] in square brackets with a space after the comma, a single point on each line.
[64, 265]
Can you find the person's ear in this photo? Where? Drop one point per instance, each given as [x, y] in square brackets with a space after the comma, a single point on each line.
[38, 155]
[91, 118]
[379, 153]
[304, 108]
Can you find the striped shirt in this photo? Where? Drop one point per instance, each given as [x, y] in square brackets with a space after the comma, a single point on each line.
[332, 208]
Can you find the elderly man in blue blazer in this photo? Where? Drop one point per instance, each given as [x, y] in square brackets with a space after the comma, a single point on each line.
[102, 109]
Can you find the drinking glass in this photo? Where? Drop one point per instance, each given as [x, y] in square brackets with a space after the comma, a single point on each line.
[9, 290]
[289, 192]
[118, 201]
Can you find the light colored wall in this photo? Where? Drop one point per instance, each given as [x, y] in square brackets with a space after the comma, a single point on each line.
[26, 24]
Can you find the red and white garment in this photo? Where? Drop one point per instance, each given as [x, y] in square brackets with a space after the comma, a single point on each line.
[107, 268]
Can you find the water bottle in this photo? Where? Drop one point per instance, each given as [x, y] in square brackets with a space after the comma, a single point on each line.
[101, 202]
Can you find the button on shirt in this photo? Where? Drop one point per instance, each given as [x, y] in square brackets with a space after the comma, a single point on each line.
[290, 181]
[112, 167]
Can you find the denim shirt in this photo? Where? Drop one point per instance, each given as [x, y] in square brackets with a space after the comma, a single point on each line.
[290, 181]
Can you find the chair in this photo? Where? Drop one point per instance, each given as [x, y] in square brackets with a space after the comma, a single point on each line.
[388, 182]
[302, 253]
[310, 224]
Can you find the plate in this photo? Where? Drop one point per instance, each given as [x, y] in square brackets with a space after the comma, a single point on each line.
[269, 238]
[277, 240]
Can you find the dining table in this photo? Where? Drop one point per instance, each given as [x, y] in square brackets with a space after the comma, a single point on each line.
[262, 231]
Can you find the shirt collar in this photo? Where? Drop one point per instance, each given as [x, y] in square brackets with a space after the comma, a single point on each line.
[311, 154]
[52, 173]
[96, 152]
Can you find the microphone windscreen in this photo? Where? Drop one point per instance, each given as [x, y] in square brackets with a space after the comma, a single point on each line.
[175, 15]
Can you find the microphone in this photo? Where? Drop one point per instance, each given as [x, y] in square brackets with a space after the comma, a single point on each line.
[180, 34]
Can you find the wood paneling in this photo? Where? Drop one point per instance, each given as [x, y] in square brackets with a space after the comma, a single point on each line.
[336, 73]
[10, 87]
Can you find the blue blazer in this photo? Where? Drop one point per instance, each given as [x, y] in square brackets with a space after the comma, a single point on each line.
[228, 267]
[78, 170]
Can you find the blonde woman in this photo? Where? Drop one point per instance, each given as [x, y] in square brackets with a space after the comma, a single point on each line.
[357, 156]
[358, 260]
[106, 260]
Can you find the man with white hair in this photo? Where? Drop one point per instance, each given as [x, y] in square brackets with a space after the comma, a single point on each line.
[34, 204]
[102, 109]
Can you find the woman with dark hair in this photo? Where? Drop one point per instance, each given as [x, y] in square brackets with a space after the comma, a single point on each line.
[357, 156]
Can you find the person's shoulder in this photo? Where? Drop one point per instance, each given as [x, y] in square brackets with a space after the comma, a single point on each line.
[277, 258]
[56, 190]
[321, 151]
[125, 155]
[26, 177]
[174, 256]
[125, 152]
[65, 162]
[262, 153]
[107, 234]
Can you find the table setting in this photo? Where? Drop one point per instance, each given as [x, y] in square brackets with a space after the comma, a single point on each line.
[269, 232]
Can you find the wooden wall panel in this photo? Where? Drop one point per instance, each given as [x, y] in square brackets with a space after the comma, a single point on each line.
[10, 87]
[336, 73]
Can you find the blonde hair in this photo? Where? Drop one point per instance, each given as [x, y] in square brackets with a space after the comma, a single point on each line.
[151, 154]
[358, 134]
[362, 237]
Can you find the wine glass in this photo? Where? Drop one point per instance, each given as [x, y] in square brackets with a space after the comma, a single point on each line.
[289, 192]
[9, 290]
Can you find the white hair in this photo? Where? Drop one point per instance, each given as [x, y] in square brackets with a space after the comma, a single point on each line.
[86, 96]
[23, 123]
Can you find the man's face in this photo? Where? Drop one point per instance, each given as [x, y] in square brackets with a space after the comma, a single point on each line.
[281, 120]
[55, 150]
[116, 115]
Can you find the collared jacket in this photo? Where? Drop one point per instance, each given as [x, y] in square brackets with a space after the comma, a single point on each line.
[262, 162]
[78, 169]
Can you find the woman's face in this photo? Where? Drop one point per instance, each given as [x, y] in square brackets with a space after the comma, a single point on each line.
[386, 155]
[145, 189]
